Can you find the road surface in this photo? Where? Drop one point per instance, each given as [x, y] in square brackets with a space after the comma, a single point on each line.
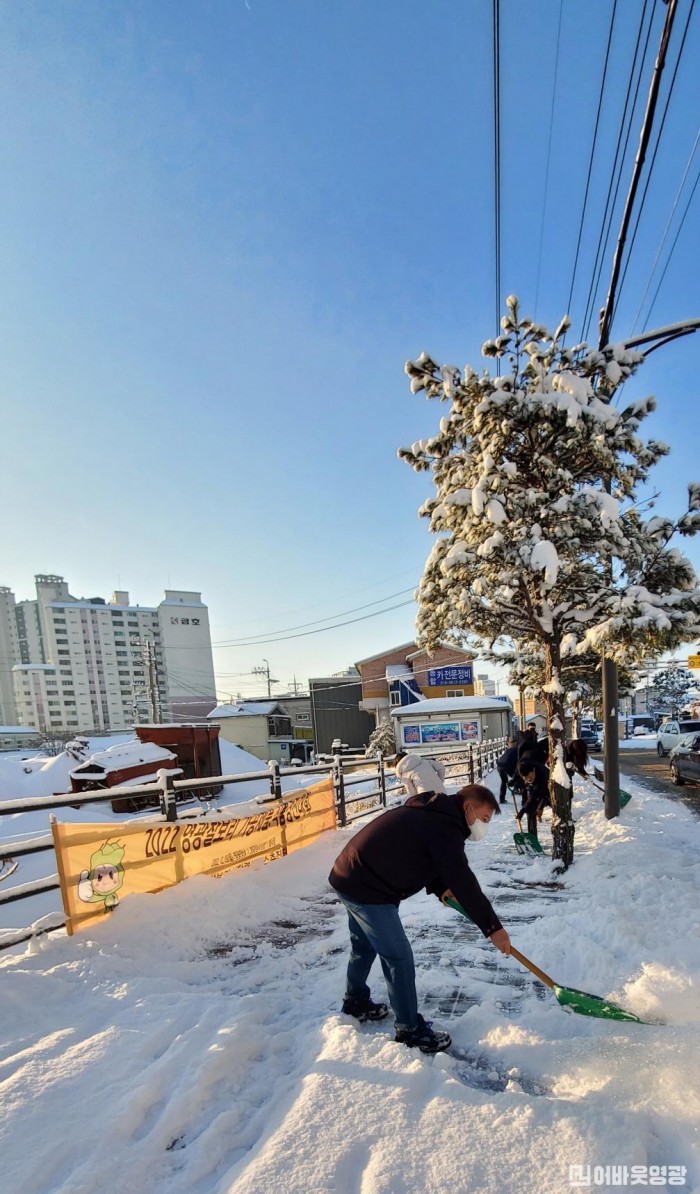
[645, 766]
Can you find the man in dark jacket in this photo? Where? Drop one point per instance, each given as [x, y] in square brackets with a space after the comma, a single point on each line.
[419, 845]
[534, 780]
[506, 767]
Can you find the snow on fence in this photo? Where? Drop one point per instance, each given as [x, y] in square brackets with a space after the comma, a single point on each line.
[360, 786]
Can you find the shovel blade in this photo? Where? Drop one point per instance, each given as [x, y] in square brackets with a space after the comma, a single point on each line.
[625, 797]
[527, 843]
[586, 1004]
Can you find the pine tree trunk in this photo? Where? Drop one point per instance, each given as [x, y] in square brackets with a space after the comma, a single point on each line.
[560, 785]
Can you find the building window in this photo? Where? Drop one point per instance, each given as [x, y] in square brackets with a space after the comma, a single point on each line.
[455, 692]
[303, 716]
[63, 642]
[395, 698]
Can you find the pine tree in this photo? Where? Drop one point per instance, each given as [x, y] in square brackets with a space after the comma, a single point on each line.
[382, 740]
[671, 687]
[542, 547]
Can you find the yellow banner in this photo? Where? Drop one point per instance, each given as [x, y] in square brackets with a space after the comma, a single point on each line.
[99, 865]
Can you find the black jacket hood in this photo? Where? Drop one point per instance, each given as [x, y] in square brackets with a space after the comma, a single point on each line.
[443, 804]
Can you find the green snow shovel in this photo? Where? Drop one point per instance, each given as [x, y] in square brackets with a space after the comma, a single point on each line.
[525, 843]
[576, 1001]
[625, 797]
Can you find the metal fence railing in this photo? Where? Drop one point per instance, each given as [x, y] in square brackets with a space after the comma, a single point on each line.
[173, 799]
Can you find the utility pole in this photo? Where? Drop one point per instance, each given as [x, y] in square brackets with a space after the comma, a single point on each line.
[609, 668]
[148, 654]
[265, 671]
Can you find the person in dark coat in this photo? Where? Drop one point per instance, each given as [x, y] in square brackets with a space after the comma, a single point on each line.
[418, 845]
[506, 767]
[534, 778]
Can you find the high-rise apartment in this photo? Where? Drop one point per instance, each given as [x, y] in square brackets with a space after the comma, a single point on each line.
[90, 665]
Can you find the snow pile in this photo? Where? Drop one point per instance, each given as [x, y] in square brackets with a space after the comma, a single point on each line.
[199, 1030]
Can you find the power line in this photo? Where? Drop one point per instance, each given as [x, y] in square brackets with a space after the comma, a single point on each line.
[270, 637]
[316, 621]
[320, 604]
[497, 160]
[617, 167]
[590, 160]
[656, 147]
[673, 246]
[336, 626]
[549, 154]
[663, 239]
[644, 138]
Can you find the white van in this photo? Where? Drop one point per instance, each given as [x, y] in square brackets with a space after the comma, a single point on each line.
[669, 733]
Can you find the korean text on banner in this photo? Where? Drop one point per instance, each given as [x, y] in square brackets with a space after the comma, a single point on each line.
[99, 865]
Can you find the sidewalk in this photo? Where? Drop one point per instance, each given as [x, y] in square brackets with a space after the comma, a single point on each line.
[193, 1042]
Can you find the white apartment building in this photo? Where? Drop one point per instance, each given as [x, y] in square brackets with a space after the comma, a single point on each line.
[485, 687]
[106, 665]
[9, 655]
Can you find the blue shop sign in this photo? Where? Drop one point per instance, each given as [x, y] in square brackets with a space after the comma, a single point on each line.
[443, 677]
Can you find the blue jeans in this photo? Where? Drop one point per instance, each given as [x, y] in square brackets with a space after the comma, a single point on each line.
[376, 929]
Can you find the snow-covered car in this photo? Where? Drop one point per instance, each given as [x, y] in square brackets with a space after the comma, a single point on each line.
[669, 734]
[640, 731]
[685, 760]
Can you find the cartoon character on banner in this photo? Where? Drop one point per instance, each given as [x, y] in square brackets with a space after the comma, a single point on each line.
[101, 883]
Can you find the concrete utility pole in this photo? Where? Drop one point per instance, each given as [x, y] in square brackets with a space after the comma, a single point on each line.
[265, 671]
[150, 659]
[148, 654]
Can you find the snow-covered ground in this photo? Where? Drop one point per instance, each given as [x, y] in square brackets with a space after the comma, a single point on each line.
[193, 1041]
[639, 742]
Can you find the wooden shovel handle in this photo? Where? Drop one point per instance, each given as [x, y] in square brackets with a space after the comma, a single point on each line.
[540, 974]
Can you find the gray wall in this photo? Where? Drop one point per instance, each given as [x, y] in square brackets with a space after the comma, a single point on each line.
[336, 713]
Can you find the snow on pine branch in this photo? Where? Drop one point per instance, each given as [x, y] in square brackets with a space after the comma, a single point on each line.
[527, 533]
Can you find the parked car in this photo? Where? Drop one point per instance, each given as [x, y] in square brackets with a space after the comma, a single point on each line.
[685, 760]
[591, 738]
[669, 733]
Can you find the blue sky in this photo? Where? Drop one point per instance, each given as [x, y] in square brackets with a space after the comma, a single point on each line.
[226, 225]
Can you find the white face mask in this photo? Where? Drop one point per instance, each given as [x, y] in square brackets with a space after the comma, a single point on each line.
[478, 829]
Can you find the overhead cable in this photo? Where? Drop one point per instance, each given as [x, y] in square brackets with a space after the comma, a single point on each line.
[592, 155]
[644, 137]
[549, 155]
[624, 132]
[652, 163]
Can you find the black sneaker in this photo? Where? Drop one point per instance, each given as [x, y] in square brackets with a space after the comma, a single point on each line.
[422, 1037]
[364, 1009]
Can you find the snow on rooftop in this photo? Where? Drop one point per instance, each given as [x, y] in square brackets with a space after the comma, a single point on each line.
[456, 705]
[398, 671]
[244, 709]
[124, 754]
